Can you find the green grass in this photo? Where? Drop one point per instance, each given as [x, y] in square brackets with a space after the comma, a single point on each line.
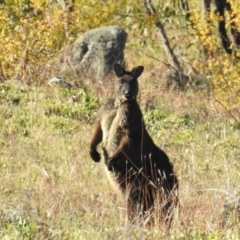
[50, 188]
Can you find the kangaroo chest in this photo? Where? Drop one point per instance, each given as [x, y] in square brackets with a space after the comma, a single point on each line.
[106, 123]
[122, 126]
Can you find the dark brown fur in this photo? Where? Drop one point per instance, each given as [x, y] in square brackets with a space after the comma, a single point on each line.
[143, 170]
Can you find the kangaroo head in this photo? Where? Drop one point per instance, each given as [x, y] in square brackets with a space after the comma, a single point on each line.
[126, 86]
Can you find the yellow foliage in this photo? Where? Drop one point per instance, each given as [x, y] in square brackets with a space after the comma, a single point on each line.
[27, 39]
[221, 70]
[33, 32]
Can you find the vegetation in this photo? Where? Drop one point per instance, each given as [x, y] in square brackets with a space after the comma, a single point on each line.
[50, 189]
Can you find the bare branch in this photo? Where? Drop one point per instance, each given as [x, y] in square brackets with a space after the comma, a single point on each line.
[229, 112]
[171, 56]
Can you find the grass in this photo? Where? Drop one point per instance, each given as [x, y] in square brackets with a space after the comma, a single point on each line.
[50, 188]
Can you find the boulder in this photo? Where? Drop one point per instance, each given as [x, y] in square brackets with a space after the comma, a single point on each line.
[93, 53]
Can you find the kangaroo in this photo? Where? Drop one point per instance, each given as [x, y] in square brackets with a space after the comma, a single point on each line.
[143, 171]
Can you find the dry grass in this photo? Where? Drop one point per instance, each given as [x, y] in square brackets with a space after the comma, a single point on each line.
[50, 188]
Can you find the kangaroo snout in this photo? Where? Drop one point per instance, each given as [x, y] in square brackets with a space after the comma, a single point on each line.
[128, 95]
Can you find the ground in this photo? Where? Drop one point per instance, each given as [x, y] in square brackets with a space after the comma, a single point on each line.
[51, 189]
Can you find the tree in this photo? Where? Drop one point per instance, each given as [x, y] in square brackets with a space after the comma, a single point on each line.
[221, 6]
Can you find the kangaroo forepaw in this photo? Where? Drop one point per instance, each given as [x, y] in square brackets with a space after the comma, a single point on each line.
[110, 167]
[110, 164]
[95, 156]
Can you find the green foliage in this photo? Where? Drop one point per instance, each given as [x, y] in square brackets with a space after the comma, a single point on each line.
[25, 227]
[60, 109]
[160, 122]
[79, 105]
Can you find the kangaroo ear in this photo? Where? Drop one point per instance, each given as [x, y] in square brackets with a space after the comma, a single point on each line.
[118, 69]
[137, 71]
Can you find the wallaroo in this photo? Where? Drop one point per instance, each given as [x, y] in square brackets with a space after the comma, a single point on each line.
[143, 171]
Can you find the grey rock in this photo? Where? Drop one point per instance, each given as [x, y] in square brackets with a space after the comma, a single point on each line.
[93, 53]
